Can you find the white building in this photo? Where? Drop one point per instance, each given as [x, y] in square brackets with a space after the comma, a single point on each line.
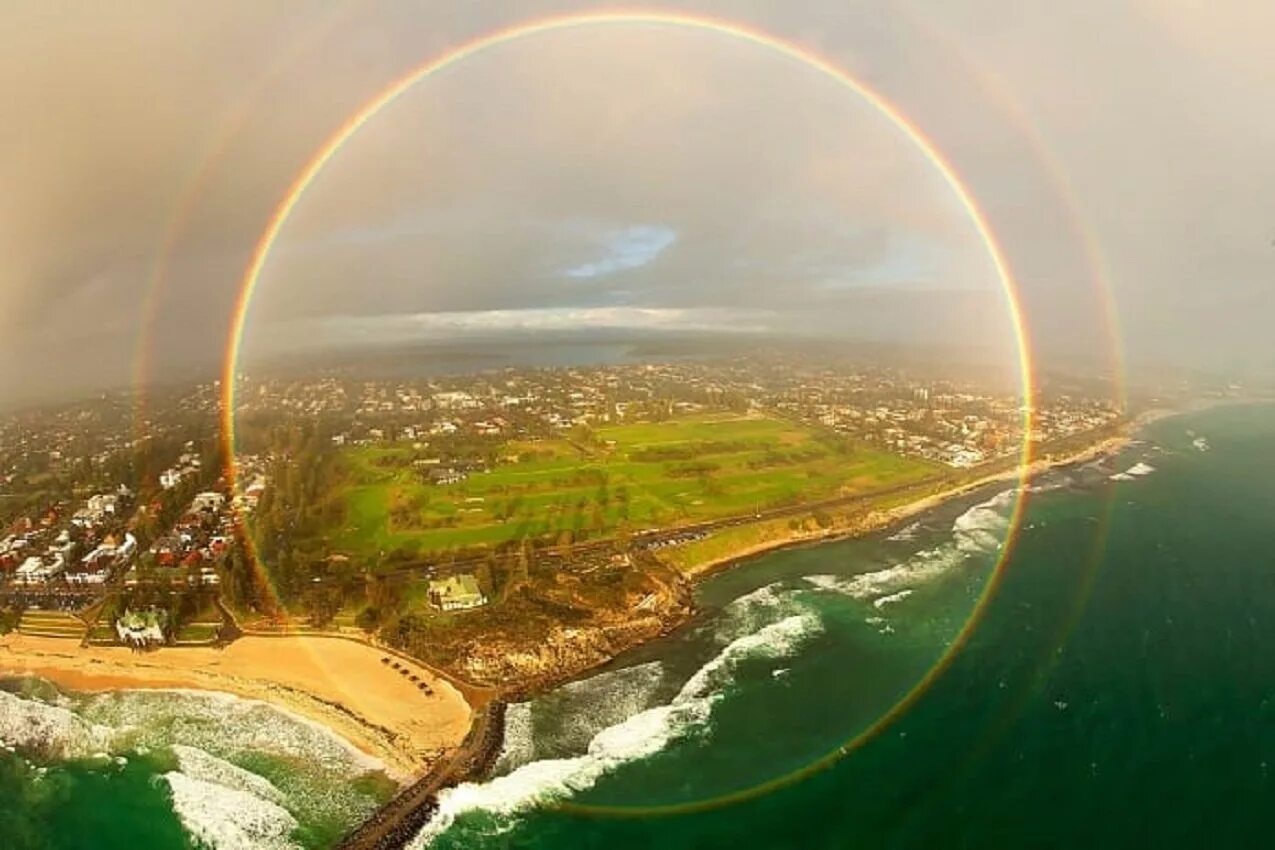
[35, 571]
[210, 501]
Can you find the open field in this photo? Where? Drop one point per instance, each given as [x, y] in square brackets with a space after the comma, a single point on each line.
[724, 546]
[627, 477]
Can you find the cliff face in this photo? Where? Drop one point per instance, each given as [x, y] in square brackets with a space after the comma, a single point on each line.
[563, 651]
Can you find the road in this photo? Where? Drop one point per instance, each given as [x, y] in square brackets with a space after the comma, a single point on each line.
[648, 538]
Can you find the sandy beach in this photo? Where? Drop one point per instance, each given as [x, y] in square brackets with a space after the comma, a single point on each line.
[341, 684]
[345, 685]
[881, 519]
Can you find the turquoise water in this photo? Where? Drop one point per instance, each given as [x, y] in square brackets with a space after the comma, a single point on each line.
[1119, 691]
[142, 769]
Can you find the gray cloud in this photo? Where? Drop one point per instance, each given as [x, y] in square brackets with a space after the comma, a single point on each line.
[508, 182]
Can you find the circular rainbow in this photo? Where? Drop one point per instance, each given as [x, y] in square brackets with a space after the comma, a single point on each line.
[744, 33]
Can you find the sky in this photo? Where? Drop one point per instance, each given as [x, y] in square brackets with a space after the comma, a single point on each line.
[635, 177]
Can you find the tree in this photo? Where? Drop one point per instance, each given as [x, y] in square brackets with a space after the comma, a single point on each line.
[385, 594]
[368, 619]
[322, 603]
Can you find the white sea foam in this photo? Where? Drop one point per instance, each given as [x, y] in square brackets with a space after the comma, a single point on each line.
[922, 566]
[776, 640]
[519, 746]
[205, 731]
[1046, 486]
[892, 598]
[905, 534]
[223, 723]
[223, 818]
[639, 736]
[982, 528]
[1134, 472]
[748, 613]
[51, 730]
[978, 531]
[581, 709]
[198, 764]
[1200, 444]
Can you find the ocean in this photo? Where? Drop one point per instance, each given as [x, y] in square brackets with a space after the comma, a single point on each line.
[1118, 690]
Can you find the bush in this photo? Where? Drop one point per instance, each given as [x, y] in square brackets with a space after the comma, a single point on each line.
[368, 619]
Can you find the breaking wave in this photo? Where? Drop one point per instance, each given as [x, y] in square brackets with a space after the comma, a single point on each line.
[518, 745]
[924, 565]
[222, 724]
[892, 598]
[752, 611]
[50, 731]
[776, 640]
[205, 767]
[638, 736]
[905, 534]
[1134, 472]
[979, 531]
[206, 733]
[226, 818]
[579, 710]
[1050, 482]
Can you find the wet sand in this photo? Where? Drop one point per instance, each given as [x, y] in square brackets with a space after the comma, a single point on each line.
[341, 684]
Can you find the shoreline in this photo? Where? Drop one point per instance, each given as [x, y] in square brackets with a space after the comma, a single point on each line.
[410, 749]
[873, 522]
[880, 519]
[340, 685]
[877, 520]
[351, 703]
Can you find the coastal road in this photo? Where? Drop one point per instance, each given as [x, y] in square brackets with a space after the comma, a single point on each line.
[968, 479]
[651, 538]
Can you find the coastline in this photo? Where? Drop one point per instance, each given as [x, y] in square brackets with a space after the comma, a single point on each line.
[342, 684]
[881, 519]
[338, 684]
[871, 522]
[1102, 446]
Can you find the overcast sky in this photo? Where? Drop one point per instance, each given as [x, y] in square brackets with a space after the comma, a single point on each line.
[635, 176]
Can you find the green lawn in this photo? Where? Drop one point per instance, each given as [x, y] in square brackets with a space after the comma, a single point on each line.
[198, 632]
[635, 476]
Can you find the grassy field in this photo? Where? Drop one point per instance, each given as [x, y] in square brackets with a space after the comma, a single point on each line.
[198, 632]
[628, 477]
